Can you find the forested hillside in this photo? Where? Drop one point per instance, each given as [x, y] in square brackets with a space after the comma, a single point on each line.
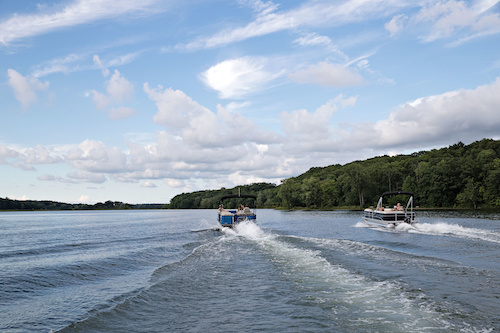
[9, 204]
[460, 176]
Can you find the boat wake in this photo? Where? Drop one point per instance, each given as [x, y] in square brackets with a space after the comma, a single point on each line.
[455, 230]
[362, 302]
[439, 229]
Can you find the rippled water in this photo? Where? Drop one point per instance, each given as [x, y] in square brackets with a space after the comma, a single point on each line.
[166, 270]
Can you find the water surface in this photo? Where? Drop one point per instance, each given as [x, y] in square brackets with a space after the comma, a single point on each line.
[297, 271]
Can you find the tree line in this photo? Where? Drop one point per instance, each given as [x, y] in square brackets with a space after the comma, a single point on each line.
[459, 176]
[23, 205]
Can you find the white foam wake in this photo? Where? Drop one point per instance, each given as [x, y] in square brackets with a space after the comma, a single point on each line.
[382, 304]
[455, 230]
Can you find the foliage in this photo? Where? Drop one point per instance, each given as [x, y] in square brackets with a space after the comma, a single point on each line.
[460, 176]
[9, 204]
[210, 199]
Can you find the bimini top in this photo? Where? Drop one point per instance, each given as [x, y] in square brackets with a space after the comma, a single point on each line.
[231, 196]
[385, 194]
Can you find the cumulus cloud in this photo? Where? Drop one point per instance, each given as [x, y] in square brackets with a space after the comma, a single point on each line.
[25, 87]
[119, 90]
[201, 148]
[95, 156]
[466, 114]
[308, 132]
[148, 184]
[327, 74]
[196, 125]
[84, 199]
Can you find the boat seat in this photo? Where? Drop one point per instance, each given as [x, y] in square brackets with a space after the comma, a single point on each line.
[224, 213]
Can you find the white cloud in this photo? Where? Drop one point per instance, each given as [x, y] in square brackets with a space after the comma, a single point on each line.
[25, 87]
[260, 7]
[212, 148]
[94, 156]
[87, 177]
[65, 65]
[84, 199]
[327, 74]
[148, 184]
[198, 126]
[450, 18]
[7, 154]
[235, 78]
[313, 39]
[97, 60]
[396, 24]
[76, 12]
[176, 110]
[310, 14]
[40, 155]
[466, 115]
[309, 132]
[119, 90]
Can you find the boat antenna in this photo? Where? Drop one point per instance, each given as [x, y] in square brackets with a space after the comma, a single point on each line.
[239, 189]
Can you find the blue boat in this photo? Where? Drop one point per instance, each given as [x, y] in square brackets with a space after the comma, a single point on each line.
[391, 216]
[229, 218]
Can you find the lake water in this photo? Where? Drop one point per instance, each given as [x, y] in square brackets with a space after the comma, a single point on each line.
[297, 271]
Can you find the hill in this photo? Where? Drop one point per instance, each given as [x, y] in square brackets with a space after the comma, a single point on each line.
[459, 176]
[22, 205]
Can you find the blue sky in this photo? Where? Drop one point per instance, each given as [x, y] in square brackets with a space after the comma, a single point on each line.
[138, 101]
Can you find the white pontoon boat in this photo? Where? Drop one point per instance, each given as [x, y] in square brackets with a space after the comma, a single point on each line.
[391, 216]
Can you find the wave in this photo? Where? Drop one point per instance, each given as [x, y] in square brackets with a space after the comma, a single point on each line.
[363, 302]
[455, 230]
[254, 279]
[439, 229]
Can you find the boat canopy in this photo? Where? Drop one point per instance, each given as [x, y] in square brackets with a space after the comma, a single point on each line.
[385, 194]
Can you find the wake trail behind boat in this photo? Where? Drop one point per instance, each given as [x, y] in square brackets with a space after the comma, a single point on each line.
[338, 291]
[439, 229]
[455, 230]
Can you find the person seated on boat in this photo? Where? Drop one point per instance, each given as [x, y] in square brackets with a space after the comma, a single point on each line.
[221, 209]
[240, 209]
[398, 207]
[247, 210]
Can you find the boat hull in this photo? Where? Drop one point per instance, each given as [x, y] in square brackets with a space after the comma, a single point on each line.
[388, 218]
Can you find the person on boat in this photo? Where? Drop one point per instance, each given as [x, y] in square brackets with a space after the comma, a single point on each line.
[240, 209]
[247, 210]
[221, 208]
[398, 207]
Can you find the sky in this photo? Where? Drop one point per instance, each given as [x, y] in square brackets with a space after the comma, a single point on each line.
[138, 101]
